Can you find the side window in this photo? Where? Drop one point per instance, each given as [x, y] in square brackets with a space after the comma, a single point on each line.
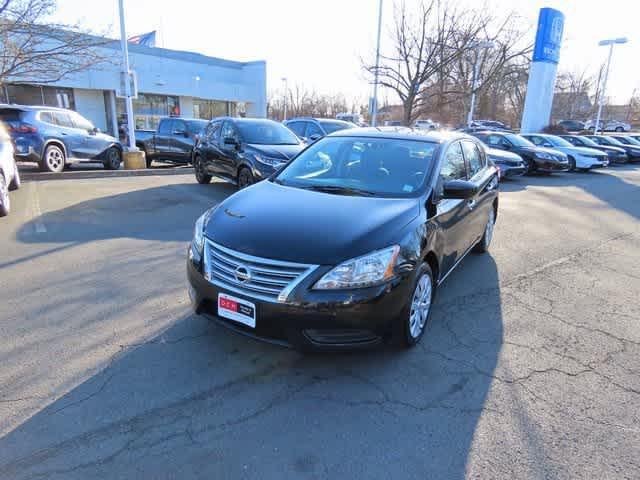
[165, 127]
[229, 131]
[536, 140]
[62, 119]
[297, 128]
[179, 126]
[453, 167]
[213, 131]
[81, 122]
[313, 129]
[493, 140]
[47, 117]
[473, 155]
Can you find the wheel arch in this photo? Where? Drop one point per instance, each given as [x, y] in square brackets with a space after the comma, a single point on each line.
[58, 143]
[432, 260]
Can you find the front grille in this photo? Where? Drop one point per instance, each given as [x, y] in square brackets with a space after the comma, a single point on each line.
[260, 278]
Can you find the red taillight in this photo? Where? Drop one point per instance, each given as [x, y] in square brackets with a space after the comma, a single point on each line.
[23, 128]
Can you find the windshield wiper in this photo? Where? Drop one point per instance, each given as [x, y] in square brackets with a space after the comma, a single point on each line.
[339, 190]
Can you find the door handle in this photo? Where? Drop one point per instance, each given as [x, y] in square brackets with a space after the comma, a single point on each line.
[471, 204]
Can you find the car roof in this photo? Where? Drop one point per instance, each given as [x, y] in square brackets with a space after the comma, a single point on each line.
[316, 119]
[244, 120]
[26, 108]
[403, 133]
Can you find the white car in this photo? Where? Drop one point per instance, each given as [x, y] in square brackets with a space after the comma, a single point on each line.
[9, 175]
[580, 158]
[425, 124]
[608, 126]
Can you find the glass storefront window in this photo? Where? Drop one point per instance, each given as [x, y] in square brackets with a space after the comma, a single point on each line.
[208, 109]
[148, 109]
[40, 95]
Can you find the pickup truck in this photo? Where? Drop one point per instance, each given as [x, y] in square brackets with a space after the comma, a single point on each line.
[173, 141]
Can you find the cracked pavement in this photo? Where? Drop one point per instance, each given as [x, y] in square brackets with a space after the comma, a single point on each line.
[530, 367]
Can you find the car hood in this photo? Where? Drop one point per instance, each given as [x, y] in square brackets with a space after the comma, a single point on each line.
[502, 155]
[609, 148]
[581, 151]
[550, 151]
[285, 152]
[285, 223]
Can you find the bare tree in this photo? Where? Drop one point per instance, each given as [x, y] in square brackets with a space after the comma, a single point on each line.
[302, 102]
[572, 95]
[34, 51]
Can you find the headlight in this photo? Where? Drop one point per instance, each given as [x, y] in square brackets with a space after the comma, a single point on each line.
[270, 161]
[198, 234]
[366, 271]
[544, 155]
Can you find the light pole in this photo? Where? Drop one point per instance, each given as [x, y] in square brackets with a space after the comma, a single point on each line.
[374, 100]
[474, 81]
[603, 43]
[286, 92]
[126, 75]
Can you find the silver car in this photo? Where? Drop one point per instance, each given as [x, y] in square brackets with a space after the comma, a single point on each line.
[608, 126]
[9, 175]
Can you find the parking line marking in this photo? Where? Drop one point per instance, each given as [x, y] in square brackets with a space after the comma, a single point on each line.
[36, 212]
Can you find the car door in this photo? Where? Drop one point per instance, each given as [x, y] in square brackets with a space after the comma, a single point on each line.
[72, 138]
[228, 153]
[208, 147]
[180, 142]
[93, 145]
[163, 146]
[452, 215]
[313, 133]
[486, 181]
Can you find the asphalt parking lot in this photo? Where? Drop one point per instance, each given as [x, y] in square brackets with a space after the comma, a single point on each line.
[530, 367]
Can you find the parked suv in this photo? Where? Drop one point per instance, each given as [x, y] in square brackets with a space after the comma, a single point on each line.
[311, 129]
[243, 150]
[55, 137]
[9, 175]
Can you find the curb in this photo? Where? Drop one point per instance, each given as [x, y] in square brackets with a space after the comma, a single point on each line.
[68, 175]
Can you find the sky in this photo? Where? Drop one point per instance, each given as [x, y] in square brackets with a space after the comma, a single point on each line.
[320, 44]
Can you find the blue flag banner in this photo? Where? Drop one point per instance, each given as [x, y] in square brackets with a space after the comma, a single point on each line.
[145, 39]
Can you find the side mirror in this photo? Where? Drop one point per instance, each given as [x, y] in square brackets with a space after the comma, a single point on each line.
[459, 189]
[94, 131]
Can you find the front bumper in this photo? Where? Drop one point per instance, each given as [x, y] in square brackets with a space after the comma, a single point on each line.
[543, 165]
[311, 319]
[508, 171]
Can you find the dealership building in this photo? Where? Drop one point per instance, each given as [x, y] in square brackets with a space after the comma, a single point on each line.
[170, 83]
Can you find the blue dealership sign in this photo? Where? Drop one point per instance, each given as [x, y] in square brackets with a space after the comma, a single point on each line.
[549, 36]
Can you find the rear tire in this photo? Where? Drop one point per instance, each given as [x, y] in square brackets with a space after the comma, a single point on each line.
[15, 183]
[483, 245]
[113, 159]
[619, 129]
[5, 202]
[201, 176]
[53, 159]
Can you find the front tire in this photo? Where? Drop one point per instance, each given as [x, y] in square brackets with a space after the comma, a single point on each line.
[245, 178]
[485, 242]
[415, 316]
[15, 183]
[201, 175]
[5, 202]
[572, 164]
[113, 159]
[53, 159]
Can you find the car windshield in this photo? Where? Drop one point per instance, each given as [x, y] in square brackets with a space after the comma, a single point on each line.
[361, 166]
[331, 126]
[518, 141]
[266, 132]
[587, 142]
[196, 126]
[558, 142]
[613, 141]
[628, 141]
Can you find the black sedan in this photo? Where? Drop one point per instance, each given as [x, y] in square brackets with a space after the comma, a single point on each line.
[537, 159]
[346, 245]
[243, 150]
[633, 152]
[615, 154]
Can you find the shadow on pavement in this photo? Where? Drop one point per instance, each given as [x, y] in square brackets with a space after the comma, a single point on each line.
[199, 401]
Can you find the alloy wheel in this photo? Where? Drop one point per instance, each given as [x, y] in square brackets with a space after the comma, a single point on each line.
[54, 159]
[420, 306]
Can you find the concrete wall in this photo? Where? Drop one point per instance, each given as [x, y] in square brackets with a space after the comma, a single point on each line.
[90, 104]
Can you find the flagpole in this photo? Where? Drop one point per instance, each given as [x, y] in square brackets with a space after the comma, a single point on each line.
[126, 74]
